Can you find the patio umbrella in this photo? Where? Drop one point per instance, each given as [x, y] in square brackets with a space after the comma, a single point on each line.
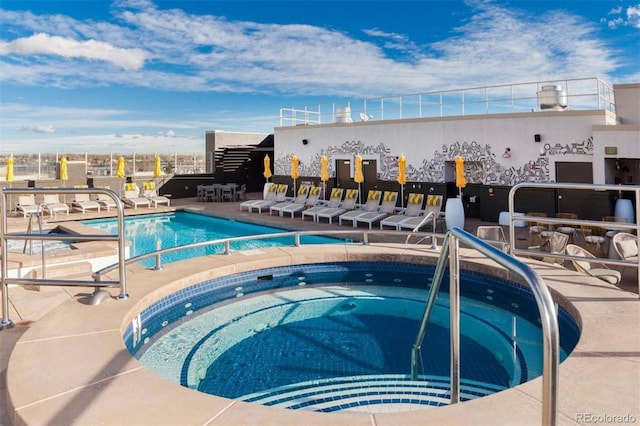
[157, 169]
[402, 176]
[294, 171]
[324, 174]
[120, 168]
[64, 174]
[9, 177]
[267, 167]
[359, 176]
[461, 180]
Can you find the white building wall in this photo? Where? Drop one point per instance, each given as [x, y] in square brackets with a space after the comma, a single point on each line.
[431, 142]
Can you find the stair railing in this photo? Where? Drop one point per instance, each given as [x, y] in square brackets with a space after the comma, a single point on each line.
[546, 308]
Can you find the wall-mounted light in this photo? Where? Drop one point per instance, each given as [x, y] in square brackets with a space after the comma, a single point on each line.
[305, 141]
[506, 153]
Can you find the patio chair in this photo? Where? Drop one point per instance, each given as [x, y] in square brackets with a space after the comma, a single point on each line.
[301, 198]
[281, 196]
[626, 246]
[373, 201]
[555, 244]
[348, 204]
[334, 202]
[83, 202]
[414, 206]
[132, 197]
[495, 236]
[568, 229]
[388, 206]
[536, 229]
[429, 215]
[312, 200]
[27, 205]
[602, 272]
[609, 233]
[269, 196]
[150, 193]
[53, 205]
[593, 239]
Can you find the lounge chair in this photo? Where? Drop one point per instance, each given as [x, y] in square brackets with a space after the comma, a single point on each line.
[348, 204]
[83, 203]
[27, 205]
[555, 244]
[149, 192]
[334, 202]
[281, 196]
[132, 196]
[301, 198]
[53, 205]
[414, 205]
[602, 272]
[269, 196]
[312, 200]
[373, 201]
[388, 206]
[106, 201]
[430, 214]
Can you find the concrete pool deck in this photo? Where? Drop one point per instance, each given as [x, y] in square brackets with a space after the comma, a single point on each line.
[85, 376]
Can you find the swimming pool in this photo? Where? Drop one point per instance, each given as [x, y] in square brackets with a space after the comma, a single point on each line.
[338, 336]
[150, 233]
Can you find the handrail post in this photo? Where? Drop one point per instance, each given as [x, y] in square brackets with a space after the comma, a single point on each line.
[454, 315]
[5, 322]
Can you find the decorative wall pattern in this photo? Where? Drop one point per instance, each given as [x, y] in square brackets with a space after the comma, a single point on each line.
[481, 165]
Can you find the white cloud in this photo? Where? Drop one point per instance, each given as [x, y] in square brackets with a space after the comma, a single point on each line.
[629, 17]
[45, 44]
[38, 129]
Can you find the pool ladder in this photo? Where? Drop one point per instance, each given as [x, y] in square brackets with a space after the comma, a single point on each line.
[546, 308]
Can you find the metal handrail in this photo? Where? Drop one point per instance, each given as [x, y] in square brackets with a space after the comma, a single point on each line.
[582, 186]
[5, 281]
[546, 308]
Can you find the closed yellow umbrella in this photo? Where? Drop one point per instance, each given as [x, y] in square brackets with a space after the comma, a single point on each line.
[461, 180]
[402, 176]
[64, 174]
[267, 167]
[120, 168]
[324, 174]
[9, 176]
[359, 176]
[294, 171]
[157, 169]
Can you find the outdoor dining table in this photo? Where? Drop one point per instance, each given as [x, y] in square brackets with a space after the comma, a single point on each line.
[216, 191]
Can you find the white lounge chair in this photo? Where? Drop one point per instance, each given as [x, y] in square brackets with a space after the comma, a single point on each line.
[105, 200]
[132, 196]
[414, 206]
[348, 204]
[373, 201]
[430, 214]
[626, 246]
[301, 198]
[53, 205]
[495, 236]
[602, 272]
[334, 202]
[388, 206]
[270, 195]
[27, 205]
[83, 203]
[312, 200]
[281, 196]
[150, 193]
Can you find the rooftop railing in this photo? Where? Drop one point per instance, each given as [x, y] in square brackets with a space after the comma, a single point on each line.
[581, 94]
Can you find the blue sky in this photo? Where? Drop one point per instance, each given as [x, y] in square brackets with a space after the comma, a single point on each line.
[153, 76]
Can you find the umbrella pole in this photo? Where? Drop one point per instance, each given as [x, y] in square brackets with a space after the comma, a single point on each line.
[402, 196]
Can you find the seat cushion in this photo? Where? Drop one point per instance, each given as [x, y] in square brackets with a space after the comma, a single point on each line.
[609, 275]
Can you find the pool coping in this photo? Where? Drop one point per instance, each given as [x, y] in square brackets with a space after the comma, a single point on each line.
[85, 374]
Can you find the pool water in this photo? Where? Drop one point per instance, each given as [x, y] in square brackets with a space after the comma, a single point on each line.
[150, 233]
[289, 336]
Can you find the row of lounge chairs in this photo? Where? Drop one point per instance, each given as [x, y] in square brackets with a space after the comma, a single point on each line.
[82, 202]
[380, 206]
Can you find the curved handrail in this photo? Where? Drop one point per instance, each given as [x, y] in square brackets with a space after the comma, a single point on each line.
[546, 308]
